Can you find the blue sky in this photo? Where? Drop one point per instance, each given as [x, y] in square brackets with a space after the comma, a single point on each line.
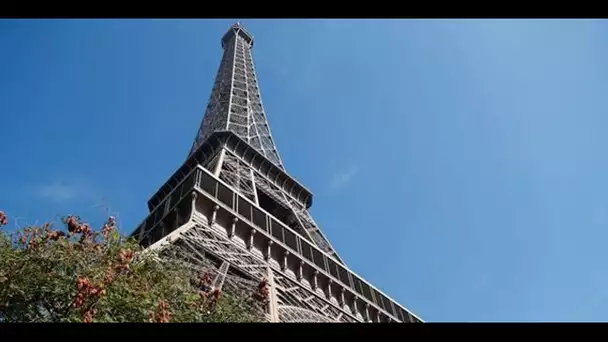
[458, 165]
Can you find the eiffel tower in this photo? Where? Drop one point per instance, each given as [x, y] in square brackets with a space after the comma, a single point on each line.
[233, 205]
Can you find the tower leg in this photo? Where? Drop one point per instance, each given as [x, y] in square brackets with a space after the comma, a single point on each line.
[273, 305]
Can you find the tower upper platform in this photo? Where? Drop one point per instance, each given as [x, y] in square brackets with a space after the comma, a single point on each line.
[237, 29]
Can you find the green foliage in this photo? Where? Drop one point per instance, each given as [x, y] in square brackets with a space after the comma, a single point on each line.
[86, 276]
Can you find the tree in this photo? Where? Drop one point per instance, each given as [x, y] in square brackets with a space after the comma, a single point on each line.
[81, 275]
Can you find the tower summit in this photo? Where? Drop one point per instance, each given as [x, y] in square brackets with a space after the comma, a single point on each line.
[232, 205]
[235, 103]
[237, 29]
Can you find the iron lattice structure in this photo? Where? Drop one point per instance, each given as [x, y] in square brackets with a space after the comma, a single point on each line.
[232, 207]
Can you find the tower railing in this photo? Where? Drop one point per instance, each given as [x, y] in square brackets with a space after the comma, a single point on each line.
[203, 181]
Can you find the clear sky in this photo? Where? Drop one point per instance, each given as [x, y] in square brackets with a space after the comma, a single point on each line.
[458, 165]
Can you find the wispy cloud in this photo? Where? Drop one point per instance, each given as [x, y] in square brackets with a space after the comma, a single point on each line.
[62, 191]
[343, 178]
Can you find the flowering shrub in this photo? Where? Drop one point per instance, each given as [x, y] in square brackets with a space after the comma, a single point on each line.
[82, 275]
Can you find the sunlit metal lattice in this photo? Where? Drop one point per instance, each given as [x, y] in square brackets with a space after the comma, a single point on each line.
[292, 314]
[250, 192]
[188, 247]
[235, 103]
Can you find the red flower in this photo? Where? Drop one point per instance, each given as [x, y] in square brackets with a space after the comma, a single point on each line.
[106, 230]
[32, 244]
[216, 294]
[161, 314]
[109, 276]
[124, 258]
[205, 278]
[3, 219]
[87, 316]
[54, 235]
[73, 224]
[75, 227]
[263, 293]
[85, 290]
